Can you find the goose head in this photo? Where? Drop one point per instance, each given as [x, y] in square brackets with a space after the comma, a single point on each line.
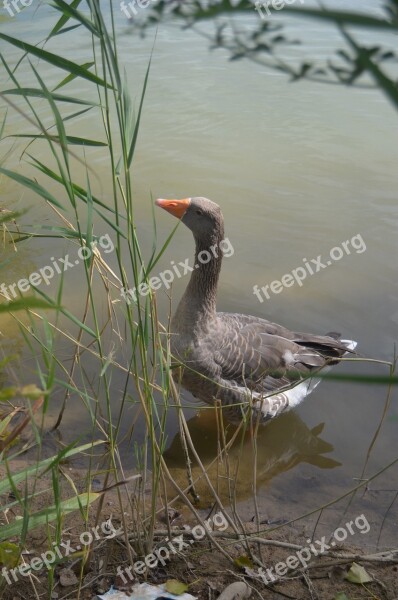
[202, 216]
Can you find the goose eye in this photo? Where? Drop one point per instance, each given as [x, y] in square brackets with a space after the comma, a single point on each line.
[199, 212]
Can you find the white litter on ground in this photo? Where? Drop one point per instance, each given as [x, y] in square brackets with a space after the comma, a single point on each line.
[144, 591]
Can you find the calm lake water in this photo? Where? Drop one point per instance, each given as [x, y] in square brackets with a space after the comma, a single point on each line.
[298, 169]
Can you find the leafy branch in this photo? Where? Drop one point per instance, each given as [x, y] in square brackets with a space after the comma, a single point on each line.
[264, 40]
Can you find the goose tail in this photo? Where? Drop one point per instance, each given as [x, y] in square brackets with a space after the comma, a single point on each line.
[349, 344]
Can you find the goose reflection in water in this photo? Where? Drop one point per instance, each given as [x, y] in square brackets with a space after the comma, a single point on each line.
[282, 445]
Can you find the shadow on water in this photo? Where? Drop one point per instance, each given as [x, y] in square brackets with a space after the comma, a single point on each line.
[281, 445]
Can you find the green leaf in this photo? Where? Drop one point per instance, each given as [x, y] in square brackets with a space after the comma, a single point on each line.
[341, 596]
[357, 574]
[38, 469]
[32, 185]
[78, 191]
[4, 423]
[9, 555]
[31, 391]
[2, 127]
[71, 12]
[59, 123]
[48, 514]
[77, 322]
[214, 9]
[63, 20]
[173, 586]
[243, 561]
[66, 29]
[71, 77]
[137, 124]
[7, 393]
[37, 93]
[25, 304]
[54, 59]
[65, 312]
[385, 83]
[154, 259]
[70, 139]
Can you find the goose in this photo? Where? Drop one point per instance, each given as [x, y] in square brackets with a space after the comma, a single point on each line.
[255, 369]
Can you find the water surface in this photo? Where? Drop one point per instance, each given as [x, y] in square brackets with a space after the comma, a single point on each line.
[298, 169]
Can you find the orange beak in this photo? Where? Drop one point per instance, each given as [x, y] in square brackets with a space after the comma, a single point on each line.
[177, 208]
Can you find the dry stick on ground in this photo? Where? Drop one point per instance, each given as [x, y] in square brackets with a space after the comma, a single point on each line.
[390, 556]
[310, 586]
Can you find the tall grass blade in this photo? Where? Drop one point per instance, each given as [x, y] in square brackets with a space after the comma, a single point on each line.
[32, 185]
[43, 466]
[47, 515]
[54, 59]
[70, 78]
[63, 20]
[69, 139]
[27, 304]
[69, 11]
[37, 93]
[138, 121]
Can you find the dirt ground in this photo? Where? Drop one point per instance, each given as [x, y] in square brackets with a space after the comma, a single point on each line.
[197, 563]
[208, 573]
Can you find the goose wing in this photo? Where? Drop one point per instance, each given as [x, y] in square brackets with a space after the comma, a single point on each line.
[266, 357]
